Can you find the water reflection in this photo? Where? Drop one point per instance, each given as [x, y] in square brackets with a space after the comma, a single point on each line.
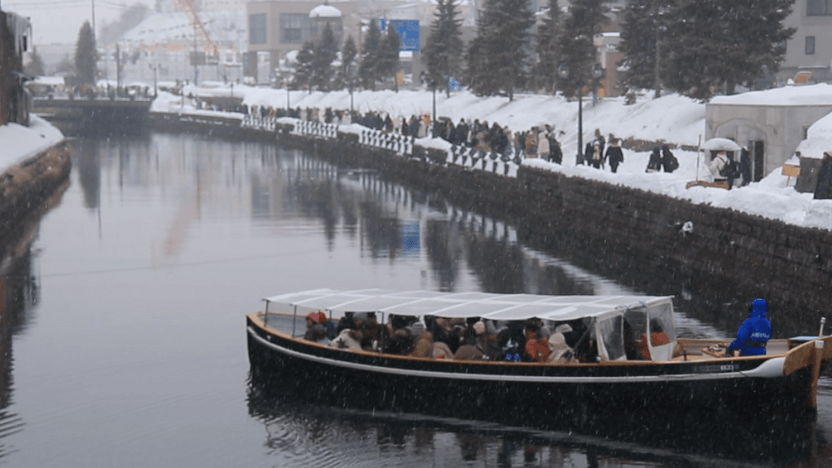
[318, 433]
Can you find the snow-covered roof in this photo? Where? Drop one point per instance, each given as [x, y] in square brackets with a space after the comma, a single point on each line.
[818, 139]
[471, 304]
[815, 95]
[325, 11]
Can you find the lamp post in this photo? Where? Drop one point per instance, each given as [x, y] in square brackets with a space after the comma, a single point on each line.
[286, 85]
[563, 73]
[155, 68]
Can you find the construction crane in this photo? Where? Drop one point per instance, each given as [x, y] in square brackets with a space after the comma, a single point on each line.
[199, 29]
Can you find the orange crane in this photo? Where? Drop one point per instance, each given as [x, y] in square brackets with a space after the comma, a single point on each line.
[207, 44]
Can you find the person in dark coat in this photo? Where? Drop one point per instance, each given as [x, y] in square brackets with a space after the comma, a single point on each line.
[587, 156]
[823, 190]
[754, 332]
[745, 166]
[655, 162]
[614, 155]
[669, 161]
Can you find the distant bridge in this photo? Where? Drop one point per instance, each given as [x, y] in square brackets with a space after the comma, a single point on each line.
[84, 112]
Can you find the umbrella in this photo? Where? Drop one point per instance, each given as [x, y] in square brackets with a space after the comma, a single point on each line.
[720, 144]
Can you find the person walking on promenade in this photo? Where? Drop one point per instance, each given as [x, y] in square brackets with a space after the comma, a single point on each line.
[669, 161]
[823, 190]
[614, 155]
[655, 162]
[597, 157]
[745, 166]
[543, 144]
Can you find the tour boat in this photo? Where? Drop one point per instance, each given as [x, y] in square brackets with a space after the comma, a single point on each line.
[681, 372]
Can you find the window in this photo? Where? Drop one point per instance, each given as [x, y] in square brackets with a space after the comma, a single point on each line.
[257, 29]
[810, 45]
[818, 7]
[292, 28]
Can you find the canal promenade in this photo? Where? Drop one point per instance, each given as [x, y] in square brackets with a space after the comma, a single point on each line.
[740, 242]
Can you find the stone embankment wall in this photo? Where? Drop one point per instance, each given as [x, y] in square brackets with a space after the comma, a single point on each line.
[27, 187]
[634, 236]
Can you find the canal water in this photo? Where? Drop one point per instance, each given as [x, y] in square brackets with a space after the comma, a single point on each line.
[123, 321]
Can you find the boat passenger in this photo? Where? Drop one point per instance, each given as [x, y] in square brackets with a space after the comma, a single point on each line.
[537, 345]
[754, 333]
[315, 330]
[347, 339]
[472, 347]
[559, 351]
[658, 337]
[423, 341]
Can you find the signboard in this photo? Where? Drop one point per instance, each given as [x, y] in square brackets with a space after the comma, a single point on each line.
[408, 31]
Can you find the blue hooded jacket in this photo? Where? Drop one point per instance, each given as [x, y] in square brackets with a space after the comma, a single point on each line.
[754, 332]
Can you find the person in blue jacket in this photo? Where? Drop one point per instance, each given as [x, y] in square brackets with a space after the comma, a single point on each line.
[754, 332]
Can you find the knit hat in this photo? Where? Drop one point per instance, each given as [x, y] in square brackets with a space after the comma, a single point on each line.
[479, 328]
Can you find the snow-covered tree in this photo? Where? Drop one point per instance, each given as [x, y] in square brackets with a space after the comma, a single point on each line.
[86, 55]
[326, 51]
[35, 65]
[348, 64]
[389, 64]
[583, 22]
[368, 71]
[497, 56]
[304, 70]
[443, 50]
[546, 46]
[646, 42]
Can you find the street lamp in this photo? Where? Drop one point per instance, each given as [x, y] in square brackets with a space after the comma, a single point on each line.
[563, 73]
[155, 68]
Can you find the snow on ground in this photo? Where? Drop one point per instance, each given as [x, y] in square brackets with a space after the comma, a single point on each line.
[20, 143]
[672, 118]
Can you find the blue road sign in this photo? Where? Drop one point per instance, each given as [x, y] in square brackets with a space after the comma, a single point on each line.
[408, 33]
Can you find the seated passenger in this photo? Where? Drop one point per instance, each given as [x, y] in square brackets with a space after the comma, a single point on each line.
[347, 339]
[472, 345]
[400, 342]
[422, 341]
[754, 332]
[315, 330]
[559, 351]
[537, 346]
[657, 338]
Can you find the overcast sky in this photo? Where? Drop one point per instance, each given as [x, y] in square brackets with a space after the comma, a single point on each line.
[58, 21]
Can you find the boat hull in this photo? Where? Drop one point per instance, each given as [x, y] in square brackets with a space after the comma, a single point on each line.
[467, 389]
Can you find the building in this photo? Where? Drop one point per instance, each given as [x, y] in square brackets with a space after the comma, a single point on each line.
[771, 124]
[810, 48]
[15, 32]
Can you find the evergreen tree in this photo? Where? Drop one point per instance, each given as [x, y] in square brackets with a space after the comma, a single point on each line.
[86, 55]
[348, 65]
[304, 70]
[583, 22]
[498, 60]
[326, 51]
[36, 66]
[444, 45]
[389, 64]
[646, 42]
[368, 71]
[548, 52]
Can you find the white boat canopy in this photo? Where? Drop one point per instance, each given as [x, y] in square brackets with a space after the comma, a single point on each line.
[452, 305]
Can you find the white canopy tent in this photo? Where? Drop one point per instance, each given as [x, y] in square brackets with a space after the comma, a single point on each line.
[450, 305]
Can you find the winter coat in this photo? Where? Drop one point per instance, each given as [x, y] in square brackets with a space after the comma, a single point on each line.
[614, 155]
[669, 161]
[745, 166]
[655, 162]
[542, 145]
[823, 190]
[717, 164]
[754, 332]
